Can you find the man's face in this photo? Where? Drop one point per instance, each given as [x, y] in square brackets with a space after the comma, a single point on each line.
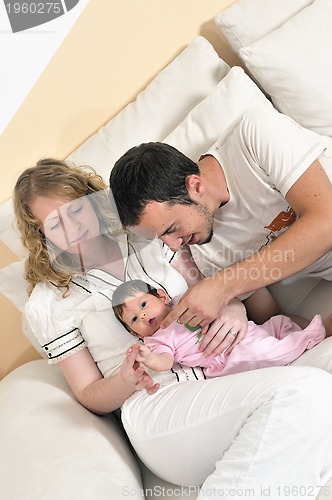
[178, 225]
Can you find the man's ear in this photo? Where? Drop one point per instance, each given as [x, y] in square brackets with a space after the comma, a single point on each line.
[194, 185]
[163, 295]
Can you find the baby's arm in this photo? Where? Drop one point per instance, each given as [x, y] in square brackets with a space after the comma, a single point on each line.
[157, 362]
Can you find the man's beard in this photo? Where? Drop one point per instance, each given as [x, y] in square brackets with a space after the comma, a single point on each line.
[209, 223]
[208, 238]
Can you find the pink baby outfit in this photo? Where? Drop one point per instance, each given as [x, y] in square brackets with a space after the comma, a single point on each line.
[279, 341]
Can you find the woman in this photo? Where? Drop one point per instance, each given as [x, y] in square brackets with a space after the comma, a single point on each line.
[229, 435]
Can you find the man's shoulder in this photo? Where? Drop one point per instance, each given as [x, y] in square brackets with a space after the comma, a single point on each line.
[258, 117]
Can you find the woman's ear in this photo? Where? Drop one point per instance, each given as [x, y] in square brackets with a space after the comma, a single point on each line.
[163, 296]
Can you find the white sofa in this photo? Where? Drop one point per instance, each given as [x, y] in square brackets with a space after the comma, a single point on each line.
[50, 447]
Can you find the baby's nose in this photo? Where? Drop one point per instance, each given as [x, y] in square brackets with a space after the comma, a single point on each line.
[142, 316]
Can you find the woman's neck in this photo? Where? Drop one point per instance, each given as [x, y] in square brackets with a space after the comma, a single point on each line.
[103, 253]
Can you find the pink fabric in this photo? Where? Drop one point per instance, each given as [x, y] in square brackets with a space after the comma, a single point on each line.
[279, 341]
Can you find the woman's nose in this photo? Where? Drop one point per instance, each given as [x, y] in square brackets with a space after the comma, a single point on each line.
[71, 225]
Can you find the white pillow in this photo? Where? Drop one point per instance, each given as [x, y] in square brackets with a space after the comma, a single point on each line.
[8, 232]
[158, 109]
[212, 117]
[13, 285]
[293, 65]
[51, 447]
[246, 21]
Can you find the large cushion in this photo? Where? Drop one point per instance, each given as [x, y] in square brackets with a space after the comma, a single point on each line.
[53, 448]
[8, 230]
[246, 21]
[213, 116]
[292, 66]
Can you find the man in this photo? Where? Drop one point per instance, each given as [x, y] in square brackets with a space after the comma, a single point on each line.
[256, 208]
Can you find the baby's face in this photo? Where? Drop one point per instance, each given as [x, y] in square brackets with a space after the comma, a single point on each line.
[143, 313]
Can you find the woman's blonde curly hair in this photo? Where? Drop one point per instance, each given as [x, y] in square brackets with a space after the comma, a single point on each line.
[55, 179]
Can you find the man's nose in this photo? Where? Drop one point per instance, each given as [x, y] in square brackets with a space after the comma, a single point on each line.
[173, 242]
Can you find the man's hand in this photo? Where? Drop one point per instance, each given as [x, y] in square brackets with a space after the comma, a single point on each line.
[200, 305]
[226, 331]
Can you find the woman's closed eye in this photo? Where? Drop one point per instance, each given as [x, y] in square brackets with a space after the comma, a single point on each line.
[55, 226]
[76, 211]
[71, 213]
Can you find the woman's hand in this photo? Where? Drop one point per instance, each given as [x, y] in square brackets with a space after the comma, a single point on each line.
[226, 331]
[134, 374]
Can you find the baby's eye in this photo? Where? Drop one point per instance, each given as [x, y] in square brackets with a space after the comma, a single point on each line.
[134, 319]
[143, 304]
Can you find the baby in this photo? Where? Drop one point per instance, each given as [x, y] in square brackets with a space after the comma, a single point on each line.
[141, 309]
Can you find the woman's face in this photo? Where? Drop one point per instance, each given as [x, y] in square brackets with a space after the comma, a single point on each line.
[68, 224]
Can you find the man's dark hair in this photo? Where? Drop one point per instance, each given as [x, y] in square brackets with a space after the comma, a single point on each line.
[153, 171]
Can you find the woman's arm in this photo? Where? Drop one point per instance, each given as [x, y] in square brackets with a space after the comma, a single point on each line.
[261, 306]
[103, 395]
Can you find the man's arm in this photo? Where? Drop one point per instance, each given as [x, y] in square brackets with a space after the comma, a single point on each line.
[184, 263]
[302, 244]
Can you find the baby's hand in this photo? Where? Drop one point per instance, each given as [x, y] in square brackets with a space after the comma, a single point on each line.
[141, 350]
[144, 353]
[134, 374]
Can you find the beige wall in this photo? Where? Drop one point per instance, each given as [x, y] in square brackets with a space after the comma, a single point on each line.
[115, 48]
